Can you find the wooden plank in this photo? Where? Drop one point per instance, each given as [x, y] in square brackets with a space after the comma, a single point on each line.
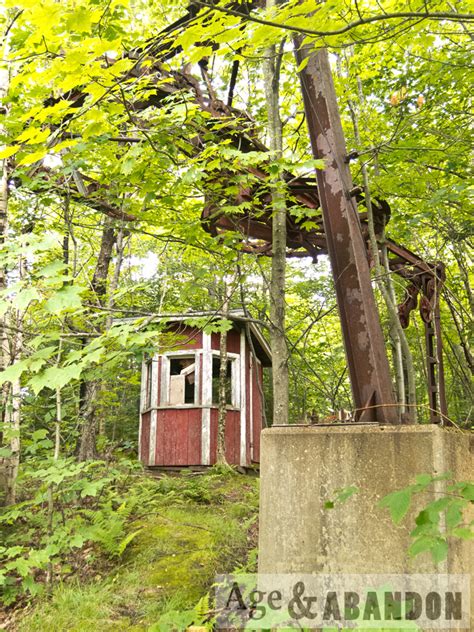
[194, 437]
[206, 376]
[160, 377]
[243, 400]
[153, 404]
[213, 414]
[232, 437]
[178, 428]
[189, 337]
[145, 439]
[176, 392]
[249, 412]
[160, 438]
[233, 341]
[251, 381]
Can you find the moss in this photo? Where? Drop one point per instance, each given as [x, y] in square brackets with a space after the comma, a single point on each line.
[191, 529]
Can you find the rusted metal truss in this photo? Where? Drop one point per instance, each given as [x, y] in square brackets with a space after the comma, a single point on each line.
[318, 234]
[252, 220]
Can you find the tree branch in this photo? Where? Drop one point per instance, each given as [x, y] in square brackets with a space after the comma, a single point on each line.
[412, 15]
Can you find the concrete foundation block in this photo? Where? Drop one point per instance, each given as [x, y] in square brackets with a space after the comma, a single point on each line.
[302, 466]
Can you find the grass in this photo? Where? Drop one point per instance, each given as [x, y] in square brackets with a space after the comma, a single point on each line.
[188, 529]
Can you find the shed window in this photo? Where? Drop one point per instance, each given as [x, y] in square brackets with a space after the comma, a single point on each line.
[216, 367]
[182, 381]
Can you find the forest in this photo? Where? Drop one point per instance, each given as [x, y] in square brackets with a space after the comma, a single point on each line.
[155, 161]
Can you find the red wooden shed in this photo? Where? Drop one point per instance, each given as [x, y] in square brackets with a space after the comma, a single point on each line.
[179, 395]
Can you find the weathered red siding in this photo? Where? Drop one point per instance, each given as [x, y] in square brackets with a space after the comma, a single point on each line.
[160, 362]
[145, 438]
[179, 430]
[248, 386]
[233, 341]
[189, 338]
[178, 437]
[232, 436]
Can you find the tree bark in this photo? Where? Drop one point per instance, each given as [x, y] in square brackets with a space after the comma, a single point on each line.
[88, 416]
[398, 359]
[222, 414]
[271, 71]
[90, 389]
[403, 359]
[10, 344]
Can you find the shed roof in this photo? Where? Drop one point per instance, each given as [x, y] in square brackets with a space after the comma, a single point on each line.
[240, 321]
[238, 318]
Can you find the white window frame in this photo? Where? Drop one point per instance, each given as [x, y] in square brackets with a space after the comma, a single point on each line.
[166, 377]
[233, 358]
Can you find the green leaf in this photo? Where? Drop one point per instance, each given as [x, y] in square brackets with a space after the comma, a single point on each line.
[438, 547]
[76, 541]
[454, 514]
[346, 493]
[42, 433]
[126, 540]
[465, 533]
[439, 551]
[32, 158]
[55, 268]
[420, 545]
[425, 517]
[14, 371]
[398, 503]
[466, 490]
[423, 479]
[9, 151]
[66, 299]
[24, 298]
[55, 377]
[91, 488]
[303, 64]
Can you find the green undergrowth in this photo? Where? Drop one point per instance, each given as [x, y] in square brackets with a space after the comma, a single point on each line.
[181, 532]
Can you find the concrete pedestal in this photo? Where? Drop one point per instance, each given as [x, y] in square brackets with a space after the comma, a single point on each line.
[302, 466]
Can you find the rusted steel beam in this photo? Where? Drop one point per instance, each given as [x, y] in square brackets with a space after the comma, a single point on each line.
[430, 313]
[443, 404]
[431, 373]
[363, 339]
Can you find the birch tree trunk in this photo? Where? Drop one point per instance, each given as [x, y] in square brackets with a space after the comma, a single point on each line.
[11, 340]
[222, 414]
[113, 286]
[271, 72]
[4, 347]
[403, 361]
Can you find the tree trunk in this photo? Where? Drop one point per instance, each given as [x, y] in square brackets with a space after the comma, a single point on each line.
[10, 341]
[398, 358]
[90, 389]
[222, 414]
[113, 286]
[271, 71]
[120, 244]
[403, 360]
[4, 347]
[88, 415]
